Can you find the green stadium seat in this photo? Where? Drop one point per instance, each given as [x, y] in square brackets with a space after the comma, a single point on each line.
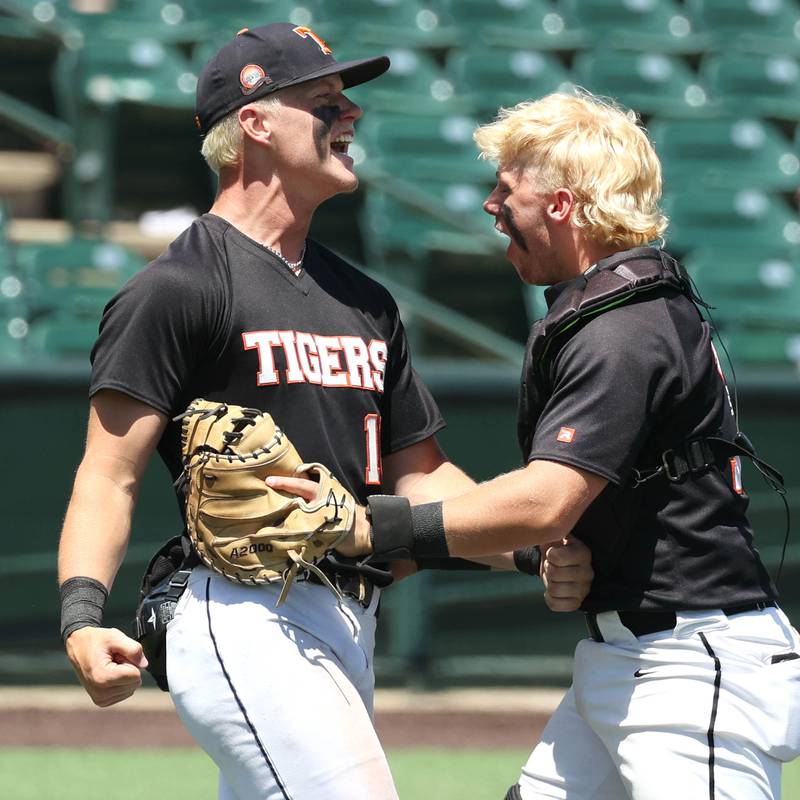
[411, 220]
[93, 84]
[716, 218]
[763, 348]
[61, 336]
[650, 83]
[657, 25]
[725, 153]
[225, 20]
[79, 275]
[766, 85]
[489, 78]
[414, 84]
[767, 27]
[520, 24]
[421, 147]
[748, 287]
[385, 23]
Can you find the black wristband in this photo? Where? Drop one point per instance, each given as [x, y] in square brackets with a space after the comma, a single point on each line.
[429, 538]
[392, 533]
[400, 531]
[528, 560]
[460, 564]
[82, 602]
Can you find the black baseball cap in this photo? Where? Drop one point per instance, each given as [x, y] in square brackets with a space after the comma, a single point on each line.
[262, 60]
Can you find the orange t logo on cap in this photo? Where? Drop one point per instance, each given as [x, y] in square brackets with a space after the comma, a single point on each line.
[306, 32]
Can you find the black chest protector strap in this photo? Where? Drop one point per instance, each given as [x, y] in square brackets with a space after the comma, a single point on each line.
[612, 282]
[695, 456]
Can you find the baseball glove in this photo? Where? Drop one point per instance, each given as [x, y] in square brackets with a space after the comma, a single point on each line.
[241, 527]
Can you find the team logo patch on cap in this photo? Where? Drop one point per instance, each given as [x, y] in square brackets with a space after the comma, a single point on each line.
[566, 435]
[251, 77]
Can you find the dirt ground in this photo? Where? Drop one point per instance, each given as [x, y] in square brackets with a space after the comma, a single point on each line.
[65, 718]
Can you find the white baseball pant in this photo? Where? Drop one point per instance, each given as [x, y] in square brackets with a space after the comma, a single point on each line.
[707, 711]
[280, 698]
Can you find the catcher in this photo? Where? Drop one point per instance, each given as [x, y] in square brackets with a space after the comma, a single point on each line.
[243, 309]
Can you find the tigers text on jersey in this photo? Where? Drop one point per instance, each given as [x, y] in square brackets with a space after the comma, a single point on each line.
[324, 352]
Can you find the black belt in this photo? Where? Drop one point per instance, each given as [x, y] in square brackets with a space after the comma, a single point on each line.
[640, 623]
[350, 584]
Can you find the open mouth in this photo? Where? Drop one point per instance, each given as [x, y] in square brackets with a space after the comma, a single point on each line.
[341, 143]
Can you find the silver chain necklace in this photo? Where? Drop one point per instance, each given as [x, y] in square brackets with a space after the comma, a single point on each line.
[294, 266]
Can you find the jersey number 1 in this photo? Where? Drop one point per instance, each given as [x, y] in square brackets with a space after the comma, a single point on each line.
[372, 429]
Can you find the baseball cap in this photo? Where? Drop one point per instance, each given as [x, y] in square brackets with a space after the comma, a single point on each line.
[262, 60]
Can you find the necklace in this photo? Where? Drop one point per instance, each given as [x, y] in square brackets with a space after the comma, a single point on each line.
[294, 266]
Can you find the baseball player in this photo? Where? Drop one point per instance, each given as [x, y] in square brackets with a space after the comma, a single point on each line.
[689, 685]
[243, 308]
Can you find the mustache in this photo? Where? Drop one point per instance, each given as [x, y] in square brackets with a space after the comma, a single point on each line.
[507, 216]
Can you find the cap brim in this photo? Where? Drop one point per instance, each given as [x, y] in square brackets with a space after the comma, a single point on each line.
[352, 72]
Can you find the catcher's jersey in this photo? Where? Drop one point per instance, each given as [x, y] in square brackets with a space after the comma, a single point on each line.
[221, 317]
[628, 384]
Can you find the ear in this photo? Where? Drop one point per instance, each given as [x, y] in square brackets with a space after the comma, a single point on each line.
[255, 124]
[561, 205]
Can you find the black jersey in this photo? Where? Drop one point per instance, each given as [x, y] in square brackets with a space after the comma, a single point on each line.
[629, 383]
[221, 317]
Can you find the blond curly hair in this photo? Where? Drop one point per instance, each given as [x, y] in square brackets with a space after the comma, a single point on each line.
[222, 145]
[594, 148]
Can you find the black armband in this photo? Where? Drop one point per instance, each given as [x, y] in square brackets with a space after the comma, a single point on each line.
[82, 602]
[528, 559]
[400, 531]
[460, 564]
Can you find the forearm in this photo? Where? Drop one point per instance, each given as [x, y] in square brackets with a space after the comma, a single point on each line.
[535, 505]
[96, 527]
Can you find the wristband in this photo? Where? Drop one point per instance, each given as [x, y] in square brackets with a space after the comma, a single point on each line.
[528, 560]
[400, 531]
[82, 602]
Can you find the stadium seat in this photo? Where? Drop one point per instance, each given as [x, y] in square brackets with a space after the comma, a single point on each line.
[414, 84]
[762, 348]
[650, 83]
[61, 336]
[725, 153]
[766, 27]
[765, 85]
[745, 218]
[79, 275]
[422, 147]
[657, 25]
[384, 23]
[521, 24]
[489, 78]
[749, 287]
[92, 84]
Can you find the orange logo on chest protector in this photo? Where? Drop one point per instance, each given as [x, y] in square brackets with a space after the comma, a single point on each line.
[566, 435]
[307, 32]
